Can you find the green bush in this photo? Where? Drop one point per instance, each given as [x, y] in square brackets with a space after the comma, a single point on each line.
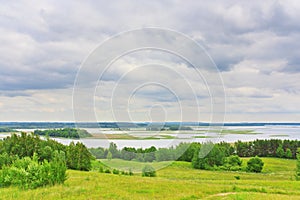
[116, 171]
[255, 164]
[101, 170]
[130, 172]
[6, 159]
[148, 171]
[232, 163]
[28, 173]
[107, 171]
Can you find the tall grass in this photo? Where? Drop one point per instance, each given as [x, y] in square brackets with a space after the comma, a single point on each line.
[177, 181]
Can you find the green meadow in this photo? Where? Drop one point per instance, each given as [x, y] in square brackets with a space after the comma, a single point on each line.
[176, 181]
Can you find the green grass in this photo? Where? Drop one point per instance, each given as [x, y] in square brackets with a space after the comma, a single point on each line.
[247, 132]
[177, 181]
[203, 136]
[279, 135]
[135, 166]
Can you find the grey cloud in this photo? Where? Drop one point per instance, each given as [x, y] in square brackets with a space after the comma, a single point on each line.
[43, 43]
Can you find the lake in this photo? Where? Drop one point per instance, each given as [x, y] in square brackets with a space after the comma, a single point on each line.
[230, 134]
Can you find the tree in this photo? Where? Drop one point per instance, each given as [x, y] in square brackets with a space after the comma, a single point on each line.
[109, 155]
[149, 154]
[280, 152]
[30, 173]
[288, 153]
[186, 151]
[58, 168]
[233, 163]
[113, 150]
[99, 152]
[84, 157]
[78, 157]
[255, 164]
[148, 171]
[208, 156]
[298, 165]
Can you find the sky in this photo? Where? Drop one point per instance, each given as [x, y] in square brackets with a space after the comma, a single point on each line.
[254, 45]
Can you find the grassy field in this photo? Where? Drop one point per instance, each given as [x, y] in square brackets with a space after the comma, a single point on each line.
[177, 181]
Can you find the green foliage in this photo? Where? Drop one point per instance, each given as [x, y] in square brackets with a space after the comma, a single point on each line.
[99, 152]
[116, 171]
[78, 157]
[65, 133]
[109, 155]
[297, 175]
[176, 128]
[165, 154]
[26, 145]
[186, 151]
[28, 173]
[232, 163]
[288, 153]
[148, 171]
[255, 164]
[130, 172]
[7, 160]
[208, 157]
[266, 148]
[280, 152]
[114, 150]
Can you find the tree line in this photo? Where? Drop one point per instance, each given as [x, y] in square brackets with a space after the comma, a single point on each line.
[206, 156]
[27, 160]
[64, 132]
[185, 151]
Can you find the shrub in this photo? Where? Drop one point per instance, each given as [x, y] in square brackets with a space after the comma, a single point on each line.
[28, 173]
[107, 171]
[116, 171]
[232, 163]
[130, 172]
[255, 164]
[148, 171]
[6, 159]
[101, 169]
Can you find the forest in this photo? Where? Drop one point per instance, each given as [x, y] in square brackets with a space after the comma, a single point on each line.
[64, 132]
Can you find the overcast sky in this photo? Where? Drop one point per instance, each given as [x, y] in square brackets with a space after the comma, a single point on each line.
[254, 44]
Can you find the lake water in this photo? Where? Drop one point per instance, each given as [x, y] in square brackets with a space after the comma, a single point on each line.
[261, 132]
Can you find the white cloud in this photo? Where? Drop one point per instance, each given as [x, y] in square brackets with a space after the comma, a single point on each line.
[254, 44]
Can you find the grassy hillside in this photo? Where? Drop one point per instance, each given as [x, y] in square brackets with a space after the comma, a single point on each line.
[177, 181]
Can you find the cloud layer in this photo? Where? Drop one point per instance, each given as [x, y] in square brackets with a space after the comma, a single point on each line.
[253, 43]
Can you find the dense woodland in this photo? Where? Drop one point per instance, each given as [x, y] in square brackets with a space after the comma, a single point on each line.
[28, 161]
[64, 132]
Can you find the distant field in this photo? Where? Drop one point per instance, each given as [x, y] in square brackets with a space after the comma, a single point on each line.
[177, 181]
